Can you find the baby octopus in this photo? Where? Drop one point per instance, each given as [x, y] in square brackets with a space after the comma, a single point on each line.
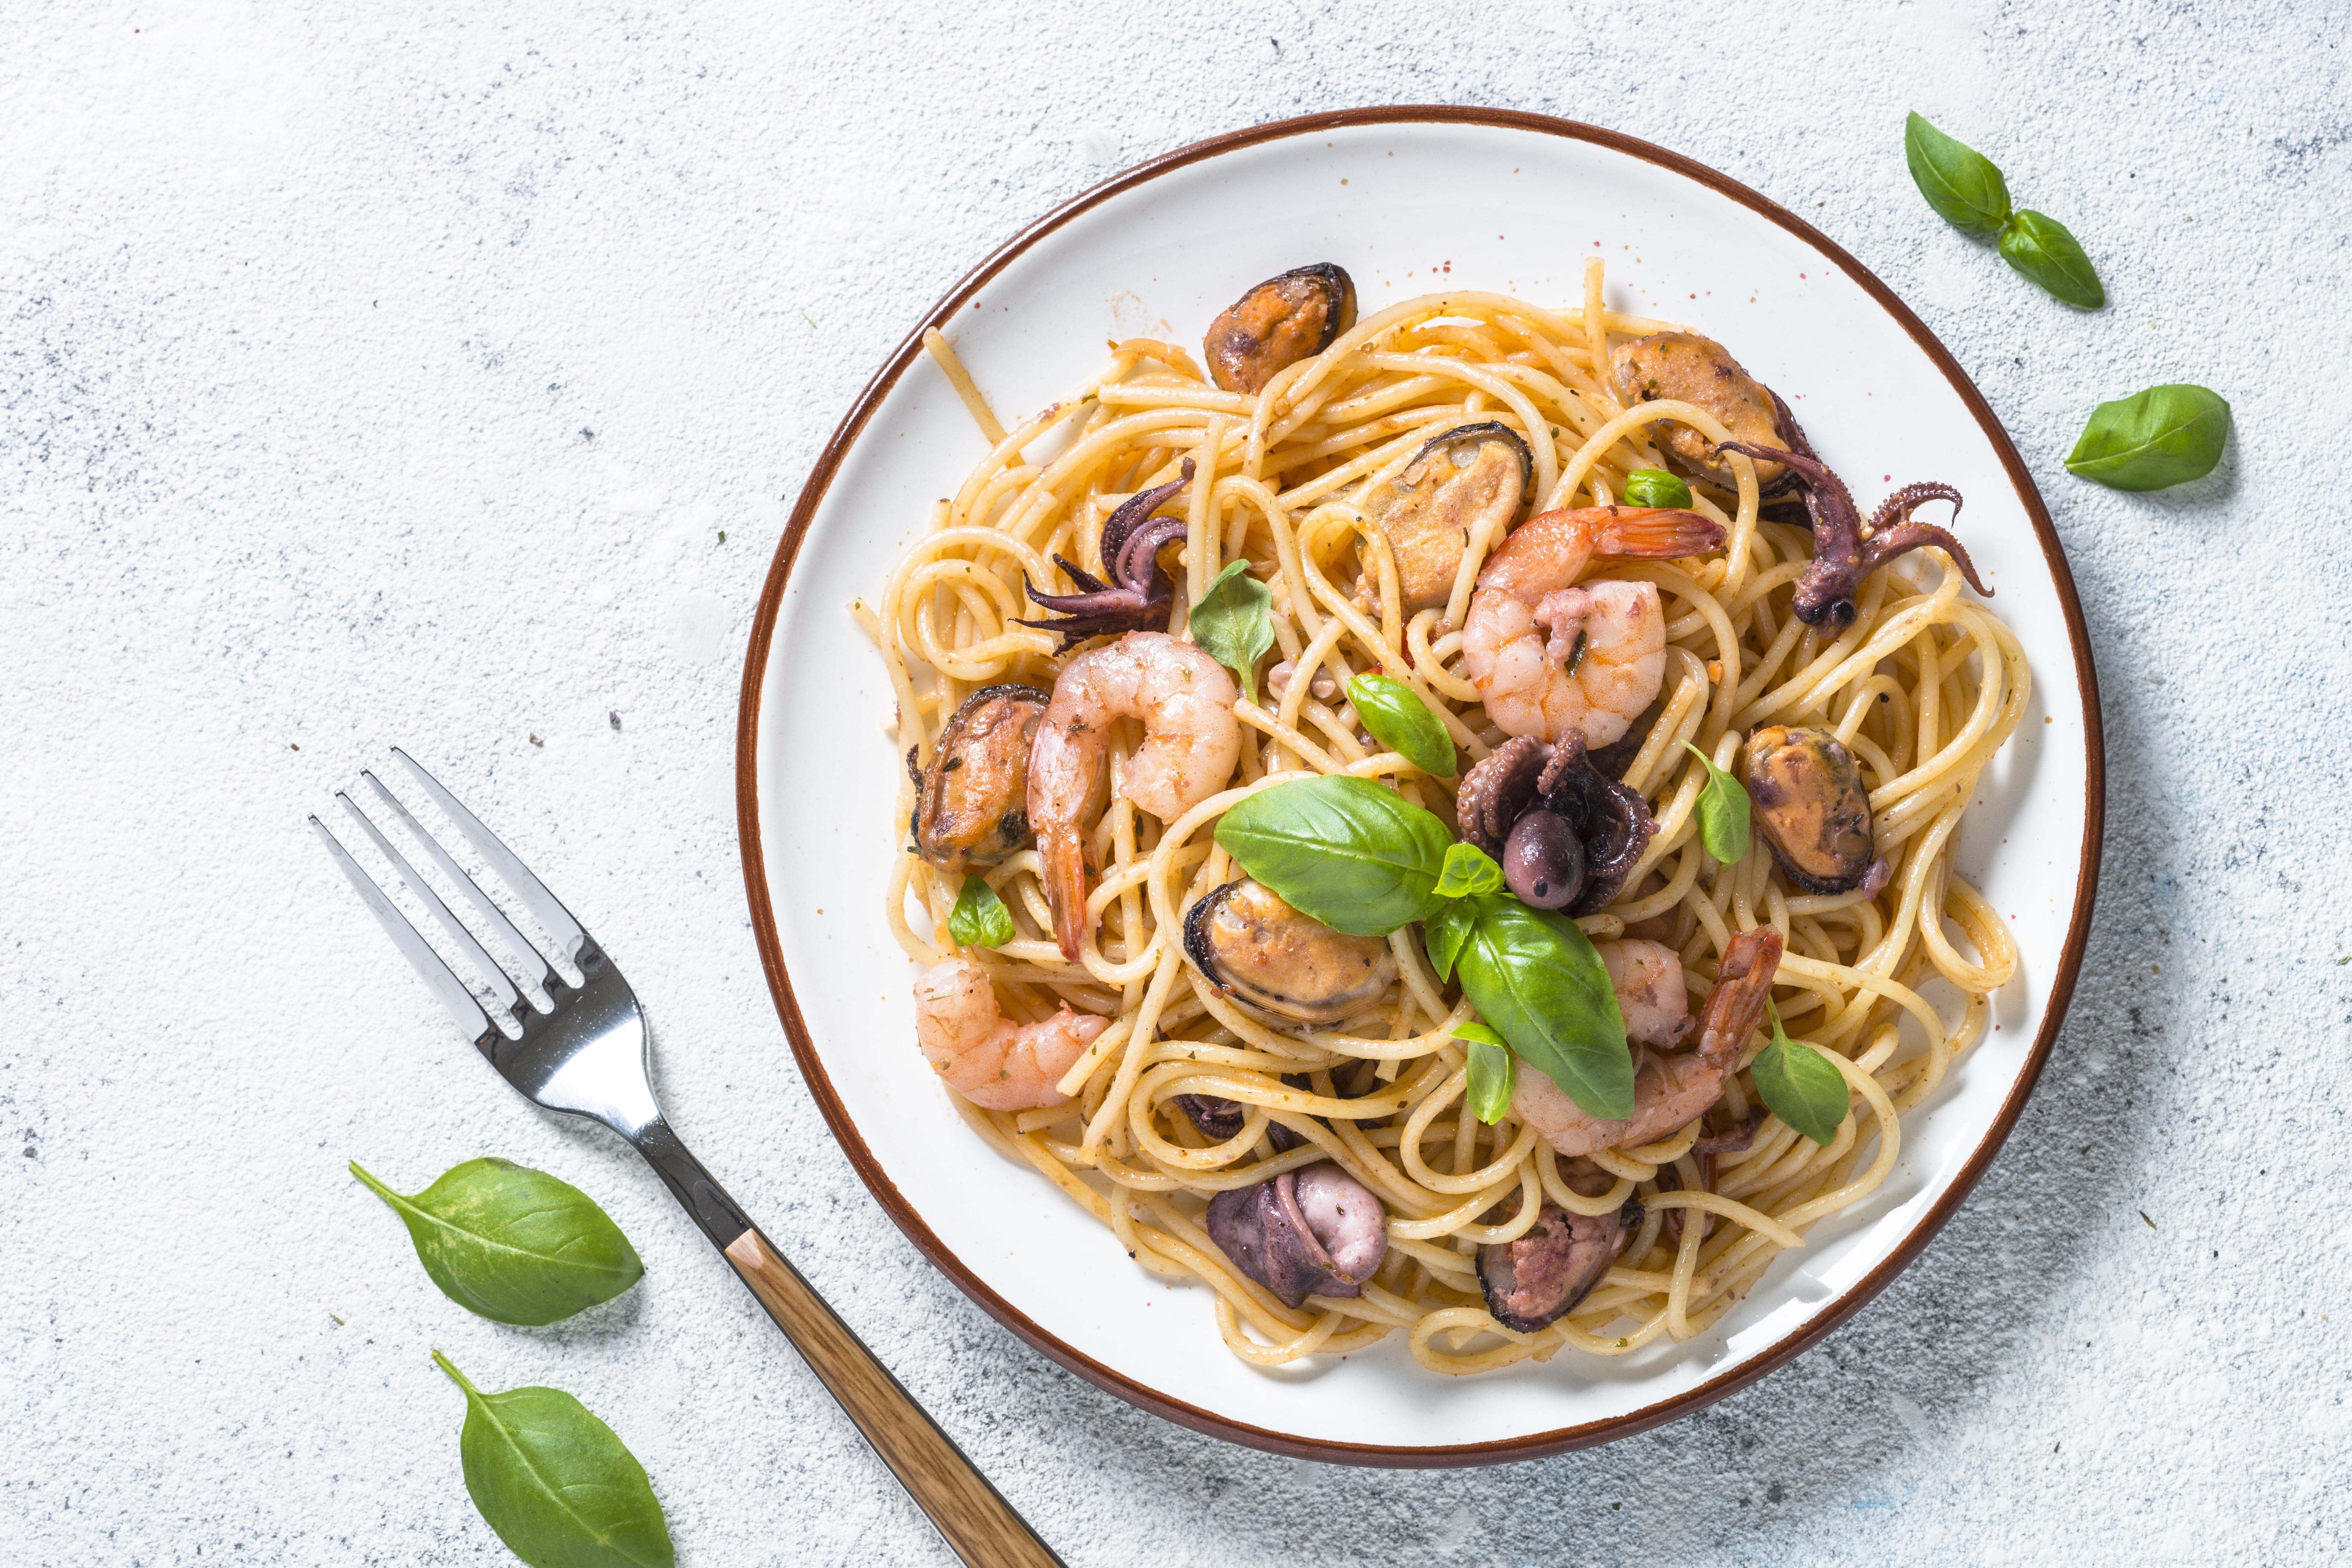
[1550, 658]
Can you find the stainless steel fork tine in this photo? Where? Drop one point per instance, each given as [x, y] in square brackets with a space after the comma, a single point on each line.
[500, 986]
[471, 1019]
[535, 962]
[568, 932]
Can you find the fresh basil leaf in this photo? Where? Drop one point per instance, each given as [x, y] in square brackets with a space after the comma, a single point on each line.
[980, 918]
[1492, 1078]
[1799, 1085]
[1443, 932]
[559, 1486]
[1403, 724]
[511, 1244]
[2044, 250]
[1233, 621]
[1958, 182]
[1656, 487]
[1342, 850]
[2165, 436]
[1722, 812]
[1534, 976]
[1468, 869]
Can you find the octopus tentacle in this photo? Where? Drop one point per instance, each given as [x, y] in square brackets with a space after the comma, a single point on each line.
[1139, 593]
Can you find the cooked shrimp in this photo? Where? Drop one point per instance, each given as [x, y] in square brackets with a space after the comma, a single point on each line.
[1648, 979]
[1190, 742]
[1669, 1092]
[985, 1056]
[1548, 657]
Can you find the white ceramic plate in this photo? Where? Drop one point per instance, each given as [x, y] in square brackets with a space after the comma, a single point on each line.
[1159, 250]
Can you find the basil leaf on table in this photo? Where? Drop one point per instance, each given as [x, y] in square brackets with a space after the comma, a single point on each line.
[1656, 487]
[2043, 248]
[2162, 437]
[1535, 978]
[1958, 182]
[1468, 869]
[980, 918]
[1341, 850]
[558, 1485]
[1488, 1056]
[1443, 932]
[1233, 621]
[1722, 809]
[1799, 1085]
[1403, 724]
[511, 1244]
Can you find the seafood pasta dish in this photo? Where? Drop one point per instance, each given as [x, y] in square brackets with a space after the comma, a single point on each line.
[1436, 822]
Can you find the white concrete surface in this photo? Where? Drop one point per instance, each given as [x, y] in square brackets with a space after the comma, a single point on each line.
[439, 374]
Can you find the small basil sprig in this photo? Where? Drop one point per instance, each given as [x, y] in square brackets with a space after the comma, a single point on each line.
[1962, 184]
[1799, 1085]
[980, 918]
[1341, 850]
[1364, 861]
[1958, 182]
[2153, 439]
[1488, 1056]
[1468, 869]
[1403, 724]
[1656, 487]
[1536, 978]
[511, 1244]
[2046, 251]
[1233, 621]
[558, 1485]
[1722, 812]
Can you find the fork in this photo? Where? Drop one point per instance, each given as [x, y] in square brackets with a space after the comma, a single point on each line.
[586, 1056]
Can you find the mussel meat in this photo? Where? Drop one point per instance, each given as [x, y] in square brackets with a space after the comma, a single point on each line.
[1688, 368]
[1273, 326]
[1532, 1282]
[1259, 951]
[972, 811]
[1811, 807]
[1474, 478]
[1316, 1231]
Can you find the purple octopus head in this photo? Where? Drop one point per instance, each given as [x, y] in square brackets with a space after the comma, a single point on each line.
[1315, 1232]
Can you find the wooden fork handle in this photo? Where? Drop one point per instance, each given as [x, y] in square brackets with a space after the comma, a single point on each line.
[978, 1523]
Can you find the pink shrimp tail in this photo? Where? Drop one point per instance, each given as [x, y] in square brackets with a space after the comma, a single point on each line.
[1064, 857]
[1653, 533]
[1735, 1005]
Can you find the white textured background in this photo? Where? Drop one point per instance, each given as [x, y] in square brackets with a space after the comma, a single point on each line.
[439, 375]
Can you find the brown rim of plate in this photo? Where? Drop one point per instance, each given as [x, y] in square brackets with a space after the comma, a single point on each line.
[1534, 1445]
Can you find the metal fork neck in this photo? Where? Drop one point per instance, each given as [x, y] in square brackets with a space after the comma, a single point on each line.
[692, 1186]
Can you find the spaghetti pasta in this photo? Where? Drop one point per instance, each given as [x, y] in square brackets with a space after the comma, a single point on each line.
[1921, 687]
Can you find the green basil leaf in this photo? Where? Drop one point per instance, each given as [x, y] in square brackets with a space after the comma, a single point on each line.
[2165, 436]
[1492, 1078]
[1535, 977]
[1443, 932]
[1722, 812]
[1234, 622]
[1341, 849]
[1799, 1085]
[1958, 182]
[1479, 1032]
[1468, 869]
[2044, 250]
[1403, 724]
[511, 1244]
[980, 918]
[560, 1488]
[1656, 487]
